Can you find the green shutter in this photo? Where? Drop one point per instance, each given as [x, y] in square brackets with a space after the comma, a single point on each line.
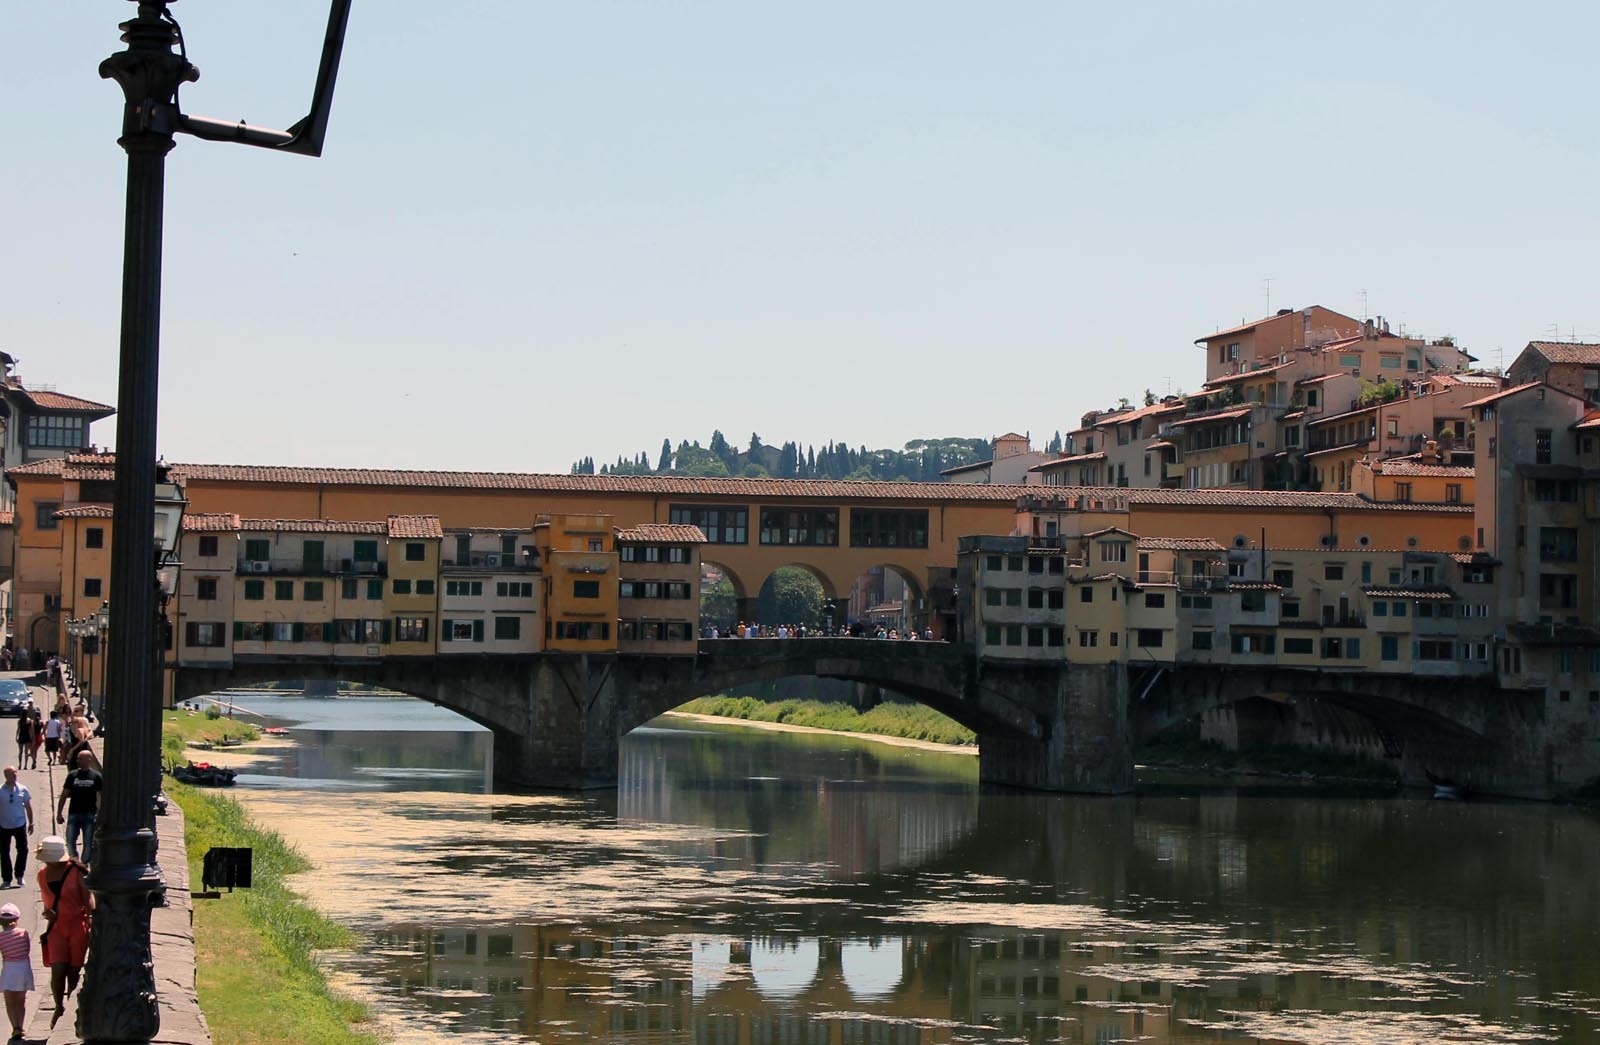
[446, 630]
[477, 630]
[386, 631]
[330, 631]
[297, 631]
[238, 630]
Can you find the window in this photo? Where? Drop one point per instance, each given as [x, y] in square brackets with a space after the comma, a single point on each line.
[992, 597]
[1035, 564]
[1086, 594]
[349, 588]
[508, 545]
[313, 592]
[991, 635]
[1564, 662]
[1433, 649]
[257, 550]
[1054, 598]
[1541, 446]
[208, 547]
[598, 544]
[721, 525]
[416, 551]
[681, 555]
[91, 587]
[1155, 600]
[1452, 493]
[1088, 639]
[205, 589]
[1253, 601]
[1289, 608]
[582, 630]
[1035, 598]
[994, 563]
[1150, 638]
[1400, 609]
[424, 586]
[255, 591]
[1389, 647]
[44, 514]
[1194, 602]
[1283, 578]
[508, 627]
[283, 591]
[1558, 544]
[1251, 642]
[1298, 645]
[1113, 551]
[1201, 639]
[585, 589]
[1014, 563]
[202, 635]
[1013, 596]
[374, 590]
[1402, 492]
[94, 537]
[1349, 360]
[1380, 609]
[402, 586]
[461, 631]
[467, 589]
[1333, 572]
[1036, 637]
[366, 551]
[804, 526]
[411, 629]
[888, 527]
[1291, 435]
[56, 430]
[1054, 636]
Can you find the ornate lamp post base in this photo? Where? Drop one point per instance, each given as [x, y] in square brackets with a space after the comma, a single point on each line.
[118, 1000]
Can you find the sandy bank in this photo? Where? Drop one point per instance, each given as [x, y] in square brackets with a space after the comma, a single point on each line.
[784, 727]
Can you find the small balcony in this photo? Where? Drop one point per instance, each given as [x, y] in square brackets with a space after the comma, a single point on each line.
[314, 568]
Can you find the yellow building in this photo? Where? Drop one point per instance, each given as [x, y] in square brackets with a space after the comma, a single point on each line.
[659, 589]
[578, 557]
[411, 600]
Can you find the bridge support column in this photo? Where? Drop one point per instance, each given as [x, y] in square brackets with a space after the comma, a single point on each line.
[1088, 747]
[563, 732]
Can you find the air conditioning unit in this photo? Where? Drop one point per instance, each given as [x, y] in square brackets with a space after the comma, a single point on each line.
[260, 567]
[491, 560]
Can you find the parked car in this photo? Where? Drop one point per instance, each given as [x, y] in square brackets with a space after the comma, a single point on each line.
[15, 697]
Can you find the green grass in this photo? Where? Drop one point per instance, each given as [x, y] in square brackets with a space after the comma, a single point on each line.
[256, 973]
[913, 721]
[180, 728]
[1187, 751]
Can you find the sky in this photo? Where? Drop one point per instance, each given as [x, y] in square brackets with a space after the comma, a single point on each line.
[543, 231]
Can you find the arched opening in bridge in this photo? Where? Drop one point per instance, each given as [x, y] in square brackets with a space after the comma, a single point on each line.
[722, 596]
[889, 599]
[793, 597]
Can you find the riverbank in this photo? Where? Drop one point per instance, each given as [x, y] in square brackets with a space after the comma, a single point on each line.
[256, 972]
[789, 727]
[889, 719]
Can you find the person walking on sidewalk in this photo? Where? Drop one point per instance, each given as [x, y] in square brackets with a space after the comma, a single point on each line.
[78, 804]
[24, 736]
[52, 738]
[16, 824]
[16, 975]
[35, 727]
[68, 905]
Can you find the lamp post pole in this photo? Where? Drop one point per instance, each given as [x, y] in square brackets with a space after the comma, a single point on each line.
[118, 1002]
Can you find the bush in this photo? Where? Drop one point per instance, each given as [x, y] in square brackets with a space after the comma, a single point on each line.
[213, 712]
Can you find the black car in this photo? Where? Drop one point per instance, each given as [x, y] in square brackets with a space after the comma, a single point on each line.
[15, 697]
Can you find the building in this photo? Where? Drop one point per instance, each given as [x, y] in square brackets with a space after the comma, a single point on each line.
[1573, 367]
[578, 557]
[490, 591]
[39, 424]
[658, 599]
[1011, 456]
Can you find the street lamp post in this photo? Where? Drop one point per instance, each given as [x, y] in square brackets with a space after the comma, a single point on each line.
[118, 1000]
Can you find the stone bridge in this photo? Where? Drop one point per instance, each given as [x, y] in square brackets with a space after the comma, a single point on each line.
[558, 719]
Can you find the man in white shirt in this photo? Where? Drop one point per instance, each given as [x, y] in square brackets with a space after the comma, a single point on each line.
[16, 823]
[52, 738]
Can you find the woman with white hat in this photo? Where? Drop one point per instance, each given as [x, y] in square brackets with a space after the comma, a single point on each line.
[67, 907]
[16, 975]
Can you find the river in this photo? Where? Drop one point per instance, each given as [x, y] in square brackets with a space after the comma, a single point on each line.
[751, 887]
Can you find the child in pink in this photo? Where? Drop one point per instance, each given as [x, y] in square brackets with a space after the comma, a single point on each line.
[16, 975]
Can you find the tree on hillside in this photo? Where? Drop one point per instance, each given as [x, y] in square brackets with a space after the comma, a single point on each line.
[664, 463]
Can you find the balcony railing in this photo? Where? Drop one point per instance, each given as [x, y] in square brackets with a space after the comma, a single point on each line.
[496, 563]
[301, 568]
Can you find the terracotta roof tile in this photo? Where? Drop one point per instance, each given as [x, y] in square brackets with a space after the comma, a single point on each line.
[1431, 594]
[61, 403]
[210, 522]
[415, 526]
[1402, 466]
[1074, 459]
[675, 533]
[1320, 378]
[1225, 415]
[1475, 558]
[1183, 498]
[1253, 586]
[311, 526]
[1584, 352]
[1181, 544]
[1248, 374]
[83, 511]
[1502, 394]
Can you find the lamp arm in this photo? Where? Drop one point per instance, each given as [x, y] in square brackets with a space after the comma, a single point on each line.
[305, 137]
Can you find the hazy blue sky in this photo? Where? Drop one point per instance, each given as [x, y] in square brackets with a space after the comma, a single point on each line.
[545, 230]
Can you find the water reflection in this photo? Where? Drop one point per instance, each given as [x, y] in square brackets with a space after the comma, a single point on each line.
[745, 889]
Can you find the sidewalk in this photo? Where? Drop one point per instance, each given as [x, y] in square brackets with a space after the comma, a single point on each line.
[171, 927]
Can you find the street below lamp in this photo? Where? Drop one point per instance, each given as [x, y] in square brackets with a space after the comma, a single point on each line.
[118, 999]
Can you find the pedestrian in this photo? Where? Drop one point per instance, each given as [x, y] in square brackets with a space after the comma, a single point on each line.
[78, 805]
[36, 727]
[52, 738]
[24, 735]
[16, 824]
[16, 975]
[68, 905]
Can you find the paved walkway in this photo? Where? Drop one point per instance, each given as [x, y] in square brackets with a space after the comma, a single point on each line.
[171, 927]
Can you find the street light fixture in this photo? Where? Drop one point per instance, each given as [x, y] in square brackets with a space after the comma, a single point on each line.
[118, 1001]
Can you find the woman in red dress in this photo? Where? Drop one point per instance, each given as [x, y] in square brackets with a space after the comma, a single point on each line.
[67, 907]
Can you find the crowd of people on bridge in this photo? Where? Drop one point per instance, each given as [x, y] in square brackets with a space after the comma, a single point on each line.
[854, 630]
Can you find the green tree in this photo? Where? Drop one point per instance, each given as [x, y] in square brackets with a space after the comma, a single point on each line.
[791, 596]
[719, 604]
[664, 464]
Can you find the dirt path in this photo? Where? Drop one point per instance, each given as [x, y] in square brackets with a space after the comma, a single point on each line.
[784, 727]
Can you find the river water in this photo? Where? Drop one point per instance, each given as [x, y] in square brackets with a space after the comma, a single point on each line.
[754, 887]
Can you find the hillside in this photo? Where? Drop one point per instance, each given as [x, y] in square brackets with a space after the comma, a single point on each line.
[921, 460]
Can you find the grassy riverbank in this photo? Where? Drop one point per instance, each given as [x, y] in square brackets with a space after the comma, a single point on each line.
[911, 721]
[1192, 753]
[181, 728]
[255, 972]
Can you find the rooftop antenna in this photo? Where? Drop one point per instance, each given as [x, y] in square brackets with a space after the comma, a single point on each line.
[1267, 282]
[1365, 313]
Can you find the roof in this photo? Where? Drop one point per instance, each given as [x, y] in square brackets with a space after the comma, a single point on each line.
[1245, 328]
[1108, 530]
[415, 526]
[210, 522]
[1320, 377]
[1347, 414]
[1505, 393]
[1181, 544]
[7, 518]
[1134, 413]
[675, 533]
[1098, 455]
[1475, 558]
[1225, 415]
[986, 463]
[60, 403]
[1010, 436]
[1292, 415]
[1428, 593]
[1253, 586]
[75, 467]
[1590, 420]
[1189, 498]
[313, 526]
[1159, 444]
[1248, 374]
[1584, 352]
[83, 511]
[1409, 466]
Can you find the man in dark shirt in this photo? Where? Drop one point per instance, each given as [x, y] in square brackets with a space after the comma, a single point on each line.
[80, 797]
